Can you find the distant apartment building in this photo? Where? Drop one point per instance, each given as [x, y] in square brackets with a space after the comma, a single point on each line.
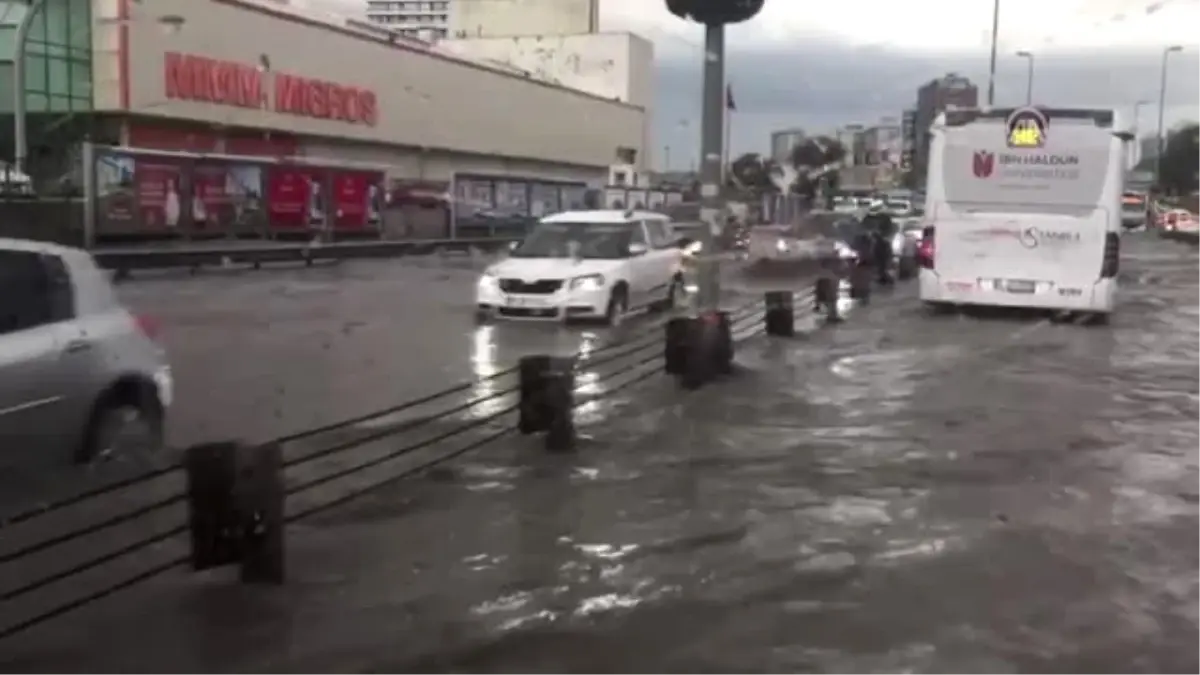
[424, 19]
[933, 98]
[783, 141]
[881, 143]
[523, 18]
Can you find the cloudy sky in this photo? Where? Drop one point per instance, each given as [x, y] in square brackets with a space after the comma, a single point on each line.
[821, 65]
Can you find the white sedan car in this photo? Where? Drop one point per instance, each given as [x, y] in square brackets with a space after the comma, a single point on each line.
[586, 265]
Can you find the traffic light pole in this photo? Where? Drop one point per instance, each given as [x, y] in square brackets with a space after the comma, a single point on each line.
[711, 153]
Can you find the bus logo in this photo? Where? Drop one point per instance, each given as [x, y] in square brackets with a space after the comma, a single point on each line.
[983, 163]
[1027, 128]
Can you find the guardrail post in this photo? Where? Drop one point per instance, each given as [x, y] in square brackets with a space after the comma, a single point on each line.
[235, 508]
[560, 403]
[533, 414]
[212, 514]
[780, 317]
[700, 346]
[825, 298]
[724, 351]
[676, 347]
[259, 491]
[860, 282]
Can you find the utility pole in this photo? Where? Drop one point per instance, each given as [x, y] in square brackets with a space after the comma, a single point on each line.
[711, 155]
[1162, 109]
[991, 95]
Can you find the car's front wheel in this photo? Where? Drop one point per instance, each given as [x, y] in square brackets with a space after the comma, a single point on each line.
[618, 306]
[673, 291]
[123, 429]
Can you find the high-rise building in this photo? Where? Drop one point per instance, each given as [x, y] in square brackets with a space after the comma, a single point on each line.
[783, 141]
[935, 97]
[425, 19]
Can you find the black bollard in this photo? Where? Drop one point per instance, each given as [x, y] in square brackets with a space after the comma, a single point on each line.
[211, 470]
[825, 298]
[724, 351]
[259, 492]
[675, 348]
[560, 405]
[701, 346]
[532, 413]
[781, 316]
[860, 283]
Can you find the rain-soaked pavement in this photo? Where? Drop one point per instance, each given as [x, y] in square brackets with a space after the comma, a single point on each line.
[901, 493]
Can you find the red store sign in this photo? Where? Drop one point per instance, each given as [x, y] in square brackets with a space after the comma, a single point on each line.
[199, 78]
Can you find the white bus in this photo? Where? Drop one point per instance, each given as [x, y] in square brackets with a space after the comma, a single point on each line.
[1023, 209]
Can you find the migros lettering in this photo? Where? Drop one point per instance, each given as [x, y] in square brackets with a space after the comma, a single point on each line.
[202, 79]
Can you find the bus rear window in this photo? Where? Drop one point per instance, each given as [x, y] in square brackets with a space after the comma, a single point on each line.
[1069, 169]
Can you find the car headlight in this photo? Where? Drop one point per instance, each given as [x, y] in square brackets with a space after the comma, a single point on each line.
[591, 282]
[781, 246]
[693, 248]
[843, 251]
[488, 281]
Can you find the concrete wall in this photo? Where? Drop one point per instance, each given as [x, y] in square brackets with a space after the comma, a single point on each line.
[616, 66]
[425, 99]
[506, 18]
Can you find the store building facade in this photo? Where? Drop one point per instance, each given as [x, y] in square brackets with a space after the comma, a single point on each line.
[178, 82]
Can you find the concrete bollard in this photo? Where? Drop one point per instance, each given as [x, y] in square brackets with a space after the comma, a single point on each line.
[675, 347]
[780, 316]
[235, 508]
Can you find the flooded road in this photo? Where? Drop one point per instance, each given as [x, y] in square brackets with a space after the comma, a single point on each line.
[900, 493]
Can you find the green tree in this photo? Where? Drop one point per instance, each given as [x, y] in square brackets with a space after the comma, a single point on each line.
[751, 172]
[1181, 160]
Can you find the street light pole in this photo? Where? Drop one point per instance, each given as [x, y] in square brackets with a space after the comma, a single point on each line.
[1136, 155]
[20, 141]
[1028, 77]
[991, 95]
[1162, 108]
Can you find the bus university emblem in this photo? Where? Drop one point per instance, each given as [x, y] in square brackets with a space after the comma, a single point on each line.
[983, 163]
[1026, 128]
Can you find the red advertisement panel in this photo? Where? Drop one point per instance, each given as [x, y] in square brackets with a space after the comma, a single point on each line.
[160, 194]
[296, 197]
[226, 195]
[357, 199]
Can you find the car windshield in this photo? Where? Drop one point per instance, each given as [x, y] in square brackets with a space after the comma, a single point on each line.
[577, 240]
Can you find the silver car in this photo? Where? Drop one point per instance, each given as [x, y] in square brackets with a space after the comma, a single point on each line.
[81, 378]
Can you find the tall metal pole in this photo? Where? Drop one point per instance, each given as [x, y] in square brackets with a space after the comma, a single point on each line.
[20, 142]
[1135, 157]
[1029, 83]
[667, 157]
[711, 154]
[1162, 109]
[991, 95]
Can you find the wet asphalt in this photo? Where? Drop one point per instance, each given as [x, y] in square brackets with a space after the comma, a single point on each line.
[899, 493]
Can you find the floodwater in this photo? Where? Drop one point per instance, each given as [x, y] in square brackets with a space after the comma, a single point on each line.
[900, 493]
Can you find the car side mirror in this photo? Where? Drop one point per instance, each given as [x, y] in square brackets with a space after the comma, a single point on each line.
[684, 242]
[637, 249]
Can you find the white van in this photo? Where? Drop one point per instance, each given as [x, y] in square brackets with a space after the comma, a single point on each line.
[1023, 209]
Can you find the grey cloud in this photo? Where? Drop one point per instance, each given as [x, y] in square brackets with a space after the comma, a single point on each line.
[820, 85]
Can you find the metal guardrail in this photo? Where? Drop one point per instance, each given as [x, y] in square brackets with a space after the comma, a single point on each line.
[123, 261]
